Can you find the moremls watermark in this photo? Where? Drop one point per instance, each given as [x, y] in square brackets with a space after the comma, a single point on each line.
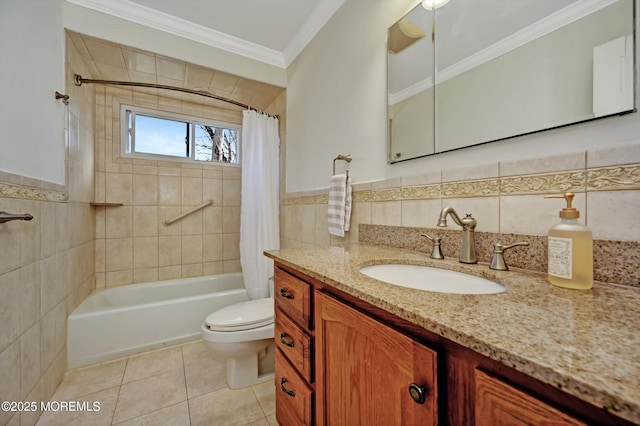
[85, 406]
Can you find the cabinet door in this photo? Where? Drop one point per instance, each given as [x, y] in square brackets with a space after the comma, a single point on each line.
[500, 404]
[365, 370]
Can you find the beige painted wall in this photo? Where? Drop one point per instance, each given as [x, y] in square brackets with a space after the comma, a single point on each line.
[336, 100]
[30, 118]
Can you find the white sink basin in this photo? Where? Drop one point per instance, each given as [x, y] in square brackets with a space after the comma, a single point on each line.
[431, 279]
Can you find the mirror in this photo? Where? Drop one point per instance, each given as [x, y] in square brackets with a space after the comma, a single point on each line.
[503, 69]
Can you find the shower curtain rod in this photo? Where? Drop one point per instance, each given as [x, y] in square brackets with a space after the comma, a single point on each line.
[79, 81]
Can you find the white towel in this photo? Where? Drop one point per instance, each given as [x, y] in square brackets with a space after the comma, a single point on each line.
[339, 205]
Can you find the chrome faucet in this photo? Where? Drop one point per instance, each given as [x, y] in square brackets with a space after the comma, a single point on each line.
[468, 249]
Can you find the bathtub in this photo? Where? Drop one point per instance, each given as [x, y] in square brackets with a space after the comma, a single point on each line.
[121, 321]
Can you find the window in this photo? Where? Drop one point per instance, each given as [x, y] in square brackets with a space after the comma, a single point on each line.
[148, 134]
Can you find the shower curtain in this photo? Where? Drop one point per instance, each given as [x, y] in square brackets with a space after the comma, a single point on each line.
[259, 212]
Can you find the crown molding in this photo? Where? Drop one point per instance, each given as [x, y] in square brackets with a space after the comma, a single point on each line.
[151, 18]
[318, 18]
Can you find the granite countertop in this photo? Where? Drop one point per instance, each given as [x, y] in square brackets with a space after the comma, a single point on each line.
[586, 343]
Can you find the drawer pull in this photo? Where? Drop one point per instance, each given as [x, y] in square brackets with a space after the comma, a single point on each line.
[417, 392]
[285, 390]
[285, 342]
[286, 295]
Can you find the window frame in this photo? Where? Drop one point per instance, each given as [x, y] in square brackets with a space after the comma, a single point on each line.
[126, 152]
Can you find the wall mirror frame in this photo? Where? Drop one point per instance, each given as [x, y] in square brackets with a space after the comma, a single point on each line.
[478, 71]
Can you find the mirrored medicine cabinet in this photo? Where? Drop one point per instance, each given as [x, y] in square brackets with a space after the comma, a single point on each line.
[477, 71]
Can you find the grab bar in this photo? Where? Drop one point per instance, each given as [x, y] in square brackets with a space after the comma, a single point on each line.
[187, 213]
[6, 217]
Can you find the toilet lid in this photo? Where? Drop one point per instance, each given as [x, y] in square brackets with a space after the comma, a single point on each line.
[242, 316]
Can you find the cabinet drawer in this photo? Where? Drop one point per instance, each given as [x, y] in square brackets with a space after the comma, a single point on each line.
[498, 403]
[294, 297]
[295, 344]
[294, 398]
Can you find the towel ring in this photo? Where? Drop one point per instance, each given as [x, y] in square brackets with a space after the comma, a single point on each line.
[346, 158]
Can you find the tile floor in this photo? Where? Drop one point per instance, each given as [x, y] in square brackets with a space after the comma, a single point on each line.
[175, 386]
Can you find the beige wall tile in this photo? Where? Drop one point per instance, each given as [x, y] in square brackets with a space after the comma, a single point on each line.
[575, 161]
[212, 220]
[612, 215]
[145, 275]
[119, 188]
[11, 234]
[145, 221]
[10, 377]
[322, 225]
[30, 295]
[47, 229]
[169, 272]
[191, 191]
[386, 213]
[49, 285]
[115, 278]
[230, 219]
[169, 190]
[192, 224]
[468, 173]
[119, 254]
[10, 295]
[191, 249]
[29, 359]
[145, 252]
[119, 222]
[309, 224]
[607, 156]
[212, 268]
[192, 270]
[421, 213]
[145, 189]
[231, 246]
[167, 213]
[528, 214]
[231, 192]
[212, 248]
[169, 250]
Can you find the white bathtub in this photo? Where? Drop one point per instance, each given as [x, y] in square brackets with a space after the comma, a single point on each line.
[126, 320]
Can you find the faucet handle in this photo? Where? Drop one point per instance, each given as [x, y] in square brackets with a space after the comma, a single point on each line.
[498, 262]
[436, 252]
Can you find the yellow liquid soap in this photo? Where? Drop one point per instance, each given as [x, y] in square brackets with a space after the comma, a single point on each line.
[569, 239]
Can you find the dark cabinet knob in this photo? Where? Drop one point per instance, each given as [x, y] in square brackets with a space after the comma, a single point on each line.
[417, 392]
[285, 390]
[286, 342]
[286, 295]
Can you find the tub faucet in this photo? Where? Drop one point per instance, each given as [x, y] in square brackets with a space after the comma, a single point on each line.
[468, 249]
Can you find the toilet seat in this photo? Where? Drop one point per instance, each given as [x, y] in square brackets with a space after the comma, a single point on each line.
[242, 316]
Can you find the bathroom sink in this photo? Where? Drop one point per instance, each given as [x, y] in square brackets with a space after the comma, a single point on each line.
[431, 279]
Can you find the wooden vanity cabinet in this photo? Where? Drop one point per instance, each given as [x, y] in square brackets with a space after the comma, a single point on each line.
[499, 404]
[294, 346]
[342, 361]
[369, 373]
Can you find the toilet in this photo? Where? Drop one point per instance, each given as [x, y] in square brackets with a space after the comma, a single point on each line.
[243, 333]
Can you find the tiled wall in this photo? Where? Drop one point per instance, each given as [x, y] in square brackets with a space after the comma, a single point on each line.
[46, 264]
[505, 198]
[132, 244]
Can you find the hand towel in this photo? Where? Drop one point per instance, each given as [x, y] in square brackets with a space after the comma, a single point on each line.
[339, 205]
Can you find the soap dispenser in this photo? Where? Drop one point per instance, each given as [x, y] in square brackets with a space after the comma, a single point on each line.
[570, 249]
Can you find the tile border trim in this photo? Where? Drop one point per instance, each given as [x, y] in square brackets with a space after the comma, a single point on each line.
[616, 178]
[9, 190]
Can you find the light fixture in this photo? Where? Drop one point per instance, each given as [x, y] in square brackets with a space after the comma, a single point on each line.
[433, 4]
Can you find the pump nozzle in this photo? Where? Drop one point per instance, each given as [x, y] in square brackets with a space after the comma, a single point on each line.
[568, 212]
